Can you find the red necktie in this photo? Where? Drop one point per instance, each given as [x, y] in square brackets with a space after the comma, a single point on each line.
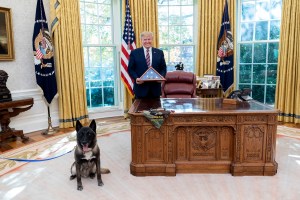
[148, 57]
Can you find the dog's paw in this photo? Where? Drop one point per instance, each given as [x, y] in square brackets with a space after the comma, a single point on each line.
[100, 183]
[72, 177]
[79, 187]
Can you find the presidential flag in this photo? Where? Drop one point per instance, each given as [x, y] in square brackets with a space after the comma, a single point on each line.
[128, 44]
[43, 54]
[225, 53]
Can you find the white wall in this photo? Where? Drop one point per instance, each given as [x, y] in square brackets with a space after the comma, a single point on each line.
[21, 81]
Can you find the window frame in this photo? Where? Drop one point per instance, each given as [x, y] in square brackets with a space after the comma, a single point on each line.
[193, 45]
[116, 42]
[239, 42]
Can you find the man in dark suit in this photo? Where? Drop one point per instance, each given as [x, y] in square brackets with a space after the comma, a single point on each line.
[139, 62]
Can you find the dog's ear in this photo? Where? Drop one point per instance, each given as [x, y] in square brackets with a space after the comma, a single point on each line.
[93, 125]
[78, 125]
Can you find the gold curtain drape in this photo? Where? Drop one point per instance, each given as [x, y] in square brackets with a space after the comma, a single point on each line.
[144, 15]
[288, 70]
[209, 23]
[65, 26]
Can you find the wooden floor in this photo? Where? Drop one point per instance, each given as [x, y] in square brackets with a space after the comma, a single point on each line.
[12, 143]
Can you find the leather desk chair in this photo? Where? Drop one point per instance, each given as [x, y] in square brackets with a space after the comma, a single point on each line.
[179, 84]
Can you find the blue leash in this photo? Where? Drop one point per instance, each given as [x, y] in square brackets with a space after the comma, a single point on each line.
[31, 160]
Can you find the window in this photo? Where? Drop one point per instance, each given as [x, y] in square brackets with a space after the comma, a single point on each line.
[100, 57]
[176, 32]
[258, 40]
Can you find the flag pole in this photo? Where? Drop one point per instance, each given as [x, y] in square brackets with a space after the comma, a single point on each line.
[50, 129]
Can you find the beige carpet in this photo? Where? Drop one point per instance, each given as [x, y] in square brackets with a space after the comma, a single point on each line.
[50, 179]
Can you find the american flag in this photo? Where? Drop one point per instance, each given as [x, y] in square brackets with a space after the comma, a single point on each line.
[221, 52]
[39, 54]
[128, 44]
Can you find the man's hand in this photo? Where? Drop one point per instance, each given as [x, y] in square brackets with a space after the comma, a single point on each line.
[139, 81]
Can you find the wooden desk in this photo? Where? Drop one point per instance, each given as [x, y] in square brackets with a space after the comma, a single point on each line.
[204, 136]
[11, 109]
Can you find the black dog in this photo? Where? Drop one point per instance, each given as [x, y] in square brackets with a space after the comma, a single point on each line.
[87, 155]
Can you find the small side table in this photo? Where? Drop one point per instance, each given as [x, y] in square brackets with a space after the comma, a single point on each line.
[11, 109]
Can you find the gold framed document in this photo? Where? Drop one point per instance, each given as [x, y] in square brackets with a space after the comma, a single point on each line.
[152, 75]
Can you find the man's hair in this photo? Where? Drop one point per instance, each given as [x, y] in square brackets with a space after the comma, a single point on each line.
[146, 33]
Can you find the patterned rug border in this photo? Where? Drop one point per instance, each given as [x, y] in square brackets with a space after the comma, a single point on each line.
[52, 147]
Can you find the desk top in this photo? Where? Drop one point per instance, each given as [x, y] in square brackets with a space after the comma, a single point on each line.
[200, 105]
[16, 102]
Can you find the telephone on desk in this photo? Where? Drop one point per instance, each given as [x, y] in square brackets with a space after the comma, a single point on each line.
[243, 95]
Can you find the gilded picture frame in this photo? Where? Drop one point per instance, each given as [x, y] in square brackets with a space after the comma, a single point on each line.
[6, 35]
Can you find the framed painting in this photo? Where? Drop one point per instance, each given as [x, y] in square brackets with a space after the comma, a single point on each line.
[6, 35]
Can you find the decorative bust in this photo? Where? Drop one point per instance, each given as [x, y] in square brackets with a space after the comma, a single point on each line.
[179, 66]
[4, 91]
